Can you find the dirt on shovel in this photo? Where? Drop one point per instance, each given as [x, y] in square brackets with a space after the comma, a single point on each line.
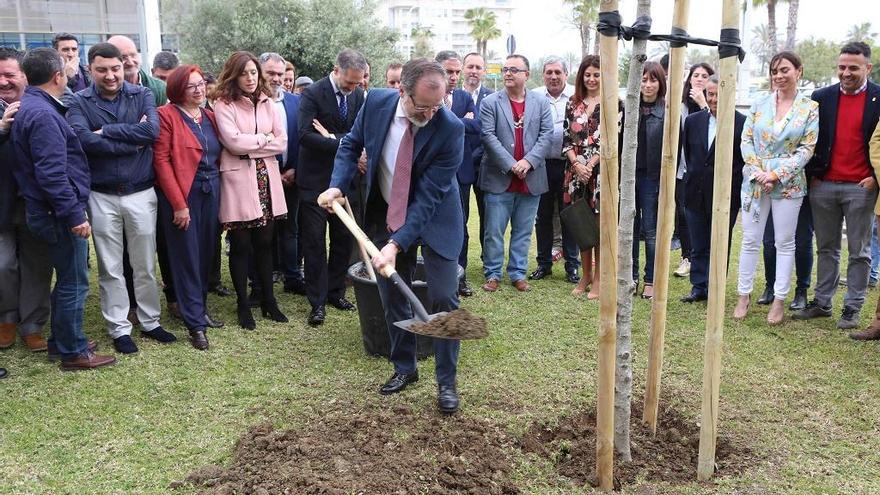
[458, 324]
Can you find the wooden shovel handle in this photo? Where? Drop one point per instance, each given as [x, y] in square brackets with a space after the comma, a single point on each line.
[361, 237]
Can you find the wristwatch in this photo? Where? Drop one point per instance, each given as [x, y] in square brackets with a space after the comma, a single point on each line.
[396, 245]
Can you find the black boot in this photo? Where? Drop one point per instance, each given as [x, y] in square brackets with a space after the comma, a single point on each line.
[800, 300]
[245, 318]
[767, 297]
[270, 310]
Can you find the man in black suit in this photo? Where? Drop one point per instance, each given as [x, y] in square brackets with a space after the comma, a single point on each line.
[474, 72]
[326, 113]
[843, 185]
[698, 141]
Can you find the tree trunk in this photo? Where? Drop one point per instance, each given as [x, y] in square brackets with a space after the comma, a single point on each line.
[771, 26]
[585, 37]
[596, 42]
[623, 375]
[791, 33]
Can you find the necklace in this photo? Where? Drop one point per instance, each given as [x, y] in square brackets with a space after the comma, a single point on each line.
[196, 118]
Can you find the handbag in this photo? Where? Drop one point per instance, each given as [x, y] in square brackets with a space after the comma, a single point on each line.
[582, 223]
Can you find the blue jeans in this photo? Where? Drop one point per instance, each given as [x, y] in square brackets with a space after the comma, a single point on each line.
[647, 195]
[875, 252]
[803, 250]
[519, 211]
[70, 256]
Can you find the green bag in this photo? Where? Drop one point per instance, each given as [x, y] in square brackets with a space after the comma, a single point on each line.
[582, 222]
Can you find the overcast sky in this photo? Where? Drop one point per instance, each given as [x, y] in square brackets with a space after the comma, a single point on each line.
[540, 26]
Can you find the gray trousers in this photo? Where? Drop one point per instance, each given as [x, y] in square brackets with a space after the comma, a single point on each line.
[25, 278]
[832, 203]
[132, 216]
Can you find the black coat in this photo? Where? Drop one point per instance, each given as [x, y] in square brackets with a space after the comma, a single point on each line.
[8, 190]
[316, 153]
[828, 98]
[700, 158]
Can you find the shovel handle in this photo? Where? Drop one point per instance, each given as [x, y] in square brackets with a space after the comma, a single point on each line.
[387, 271]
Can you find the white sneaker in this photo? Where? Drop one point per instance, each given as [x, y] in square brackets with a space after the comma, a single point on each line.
[684, 268]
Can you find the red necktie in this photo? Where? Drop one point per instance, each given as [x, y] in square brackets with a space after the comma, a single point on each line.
[400, 182]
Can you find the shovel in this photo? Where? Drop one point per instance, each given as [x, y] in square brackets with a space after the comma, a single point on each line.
[388, 271]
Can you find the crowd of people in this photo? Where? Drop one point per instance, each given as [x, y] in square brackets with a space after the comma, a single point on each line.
[155, 166]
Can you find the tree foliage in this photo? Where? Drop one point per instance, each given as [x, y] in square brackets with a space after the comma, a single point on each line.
[583, 14]
[309, 33]
[484, 26]
[820, 60]
[422, 37]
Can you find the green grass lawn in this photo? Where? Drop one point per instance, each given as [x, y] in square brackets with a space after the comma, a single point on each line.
[802, 395]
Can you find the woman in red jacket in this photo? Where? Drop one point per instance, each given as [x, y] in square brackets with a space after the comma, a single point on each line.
[186, 158]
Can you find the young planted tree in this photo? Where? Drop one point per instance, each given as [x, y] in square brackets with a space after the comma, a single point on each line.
[623, 376]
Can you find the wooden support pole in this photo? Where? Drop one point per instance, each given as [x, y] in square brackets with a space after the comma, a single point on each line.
[665, 220]
[608, 162]
[718, 255]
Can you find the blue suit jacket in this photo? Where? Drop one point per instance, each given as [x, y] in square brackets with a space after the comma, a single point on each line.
[433, 214]
[462, 104]
[291, 110]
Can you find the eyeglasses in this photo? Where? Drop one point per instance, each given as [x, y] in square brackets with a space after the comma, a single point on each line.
[421, 108]
[513, 70]
[199, 85]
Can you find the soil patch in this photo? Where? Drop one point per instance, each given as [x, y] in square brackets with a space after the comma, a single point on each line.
[457, 324]
[387, 452]
[669, 457]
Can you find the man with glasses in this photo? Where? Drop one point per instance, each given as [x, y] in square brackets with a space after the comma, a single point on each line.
[414, 144]
[117, 123]
[517, 132]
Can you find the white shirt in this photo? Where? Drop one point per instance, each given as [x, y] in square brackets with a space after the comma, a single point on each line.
[713, 123]
[388, 159]
[279, 107]
[337, 90]
[557, 106]
[475, 94]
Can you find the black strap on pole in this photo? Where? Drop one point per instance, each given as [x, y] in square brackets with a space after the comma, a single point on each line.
[611, 24]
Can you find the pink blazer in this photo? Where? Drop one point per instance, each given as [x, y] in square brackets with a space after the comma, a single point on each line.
[242, 129]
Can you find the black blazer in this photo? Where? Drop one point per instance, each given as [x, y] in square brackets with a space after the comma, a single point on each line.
[700, 158]
[828, 98]
[316, 153]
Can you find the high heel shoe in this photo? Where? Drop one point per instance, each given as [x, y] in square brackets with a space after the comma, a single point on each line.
[245, 318]
[742, 307]
[272, 312]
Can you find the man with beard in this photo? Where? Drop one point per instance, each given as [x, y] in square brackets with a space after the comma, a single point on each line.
[414, 145]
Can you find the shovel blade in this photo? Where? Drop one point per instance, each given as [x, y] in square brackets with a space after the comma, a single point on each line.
[407, 324]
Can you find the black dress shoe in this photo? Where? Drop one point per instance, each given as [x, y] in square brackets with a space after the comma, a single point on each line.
[317, 315]
[212, 323]
[447, 399]
[800, 300]
[220, 290]
[342, 304]
[464, 289]
[3, 373]
[298, 288]
[398, 382]
[198, 339]
[572, 277]
[695, 296]
[540, 273]
[767, 297]
[245, 318]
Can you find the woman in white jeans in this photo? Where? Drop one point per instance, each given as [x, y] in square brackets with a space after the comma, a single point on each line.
[778, 139]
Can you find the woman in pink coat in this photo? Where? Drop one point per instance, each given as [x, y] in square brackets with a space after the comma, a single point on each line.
[251, 194]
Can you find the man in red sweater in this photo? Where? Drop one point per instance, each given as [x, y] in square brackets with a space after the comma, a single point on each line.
[843, 186]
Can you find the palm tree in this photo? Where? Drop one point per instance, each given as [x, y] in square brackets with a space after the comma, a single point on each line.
[771, 22]
[761, 45]
[484, 26]
[583, 13]
[861, 32]
[793, 6]
[422, 36]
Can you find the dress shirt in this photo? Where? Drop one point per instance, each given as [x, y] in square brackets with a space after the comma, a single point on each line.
[713, 123]
[861, 89]
[475, 94]
[337, 90]
[557, 106]
[388, 160]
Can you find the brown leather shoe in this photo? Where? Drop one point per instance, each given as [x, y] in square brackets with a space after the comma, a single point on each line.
[52, 351]
[491, 285]
[35, 342]
[870, 333]
[87, 361]
[7, 335]
[522, 285]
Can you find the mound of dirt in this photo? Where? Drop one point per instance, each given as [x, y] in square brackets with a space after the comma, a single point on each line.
[669, 457]
[457, 324]
[387, 452]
